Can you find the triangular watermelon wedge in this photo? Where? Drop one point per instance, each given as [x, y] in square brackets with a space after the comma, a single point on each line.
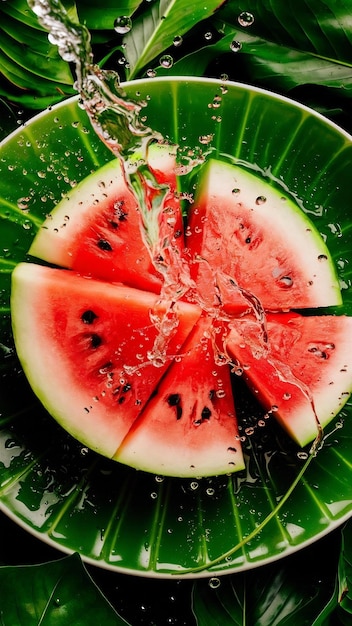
[189, 425]
[96, 228]
[251, 246]
[88, 348]
[302, 374]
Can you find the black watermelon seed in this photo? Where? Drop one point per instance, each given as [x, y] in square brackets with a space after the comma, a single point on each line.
[178, 412]
[103, 244]
[95, 341]
[174, 399]
[206, 413]
[88, 317]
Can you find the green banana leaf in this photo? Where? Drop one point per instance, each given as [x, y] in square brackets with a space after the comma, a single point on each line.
[154, 30]
[310, 591]
[316, 27]
[97, 18]
[31, 54]
[290, 45]
[54, 594]
[345, 578]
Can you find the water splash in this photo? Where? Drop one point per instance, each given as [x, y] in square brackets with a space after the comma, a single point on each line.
[116, 120]
[114, 117]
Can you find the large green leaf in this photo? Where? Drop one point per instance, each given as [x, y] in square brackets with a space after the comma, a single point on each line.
[216, 602]
[95, 18]
[345, 577]
[33, 53]
[299, 590]
[268, 63]
[289, 45]
[20, 11]
[320, 27]
[302, 48]
[54, 594]
[155, 29]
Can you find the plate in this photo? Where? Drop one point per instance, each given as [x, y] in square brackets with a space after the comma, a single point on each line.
[117, 517]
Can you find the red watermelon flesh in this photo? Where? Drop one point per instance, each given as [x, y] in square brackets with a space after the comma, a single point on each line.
[96, 229]
[303, 373]
[190, 418]
[85, 348]
[251, 246]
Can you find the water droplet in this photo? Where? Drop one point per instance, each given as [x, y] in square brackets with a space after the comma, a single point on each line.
[151, 73]
[235, 45]
[235, 191]
[245, 19]
[303, 456]
[210, 491]
[208, 36]
[286, 282]
[177, 41]
[22, 204]
[194, 485]
[154, 495]
[123, 24]
[260, 200]
[214, 583]
[205, 139]
[322, 257]
[286, 396]
[166, 61]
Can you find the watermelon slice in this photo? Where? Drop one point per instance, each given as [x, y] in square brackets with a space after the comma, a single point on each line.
[303, 373]
[190, 422]
[96, 228]
[135, 375]
[85, 346]
[254, 246]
